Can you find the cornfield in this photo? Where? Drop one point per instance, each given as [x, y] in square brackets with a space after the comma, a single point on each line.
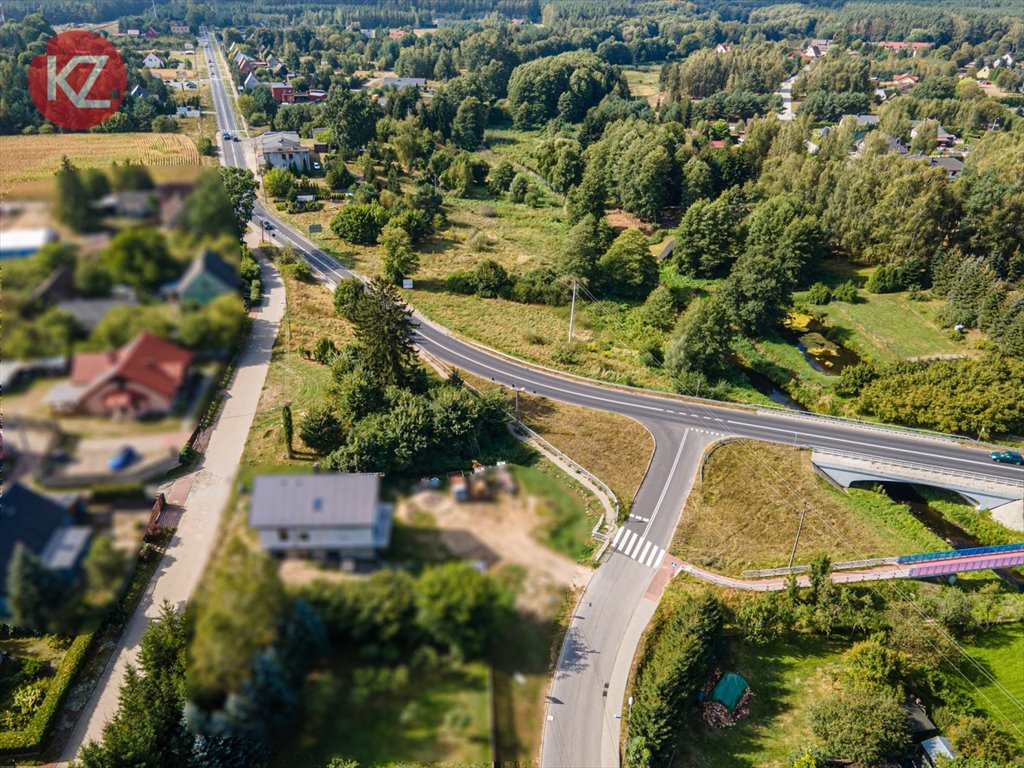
[28, 158]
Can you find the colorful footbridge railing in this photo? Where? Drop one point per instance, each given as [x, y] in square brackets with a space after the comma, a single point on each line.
[949, 554]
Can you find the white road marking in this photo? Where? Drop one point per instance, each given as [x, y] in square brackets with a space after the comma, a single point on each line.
[628, 542]
[661, 556]
[618, 535]
[668, 482]
[643, 555]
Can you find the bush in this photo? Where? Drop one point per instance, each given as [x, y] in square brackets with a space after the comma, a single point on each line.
[490, 279]
[206, 147]
[461, 282]
[846, 292]
[359, 223]
[819, 294]
[346, 297]
[567, 352]
[32, 737]
[518, 188]
[324, 351]
[300, 271]
[888, 278]
[165, 124]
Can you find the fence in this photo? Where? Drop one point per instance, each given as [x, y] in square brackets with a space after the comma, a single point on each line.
[924, 557]
[846, 565]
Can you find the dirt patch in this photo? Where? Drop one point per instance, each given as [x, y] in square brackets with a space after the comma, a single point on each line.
[620, 219]
[500, 533]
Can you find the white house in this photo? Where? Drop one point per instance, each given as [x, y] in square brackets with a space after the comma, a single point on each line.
[326, 516]
[281, 149]
[152, 61]
[250, 82]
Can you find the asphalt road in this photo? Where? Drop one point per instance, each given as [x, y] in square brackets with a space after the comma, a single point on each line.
[581, 726]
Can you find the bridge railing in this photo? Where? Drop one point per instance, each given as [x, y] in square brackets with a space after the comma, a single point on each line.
[845, 565]
[922, 467]
[924, 557]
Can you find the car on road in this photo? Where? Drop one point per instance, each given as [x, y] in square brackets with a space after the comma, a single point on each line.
[124, 457]
[266, 224]
[1007, 457]
[235, 138]
[227, 136]
[316, 166]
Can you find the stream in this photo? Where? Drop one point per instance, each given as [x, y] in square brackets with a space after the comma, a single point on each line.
[953, 535]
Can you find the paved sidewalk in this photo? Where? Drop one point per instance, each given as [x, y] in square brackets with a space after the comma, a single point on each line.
[182, 566]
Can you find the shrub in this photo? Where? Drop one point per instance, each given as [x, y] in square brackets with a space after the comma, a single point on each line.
[819, 294]
[567, 352]
[324, 350]
[888, 278]
[359, 223]
[846, 292]
[31, 738]
[490, 279]
[300, 271]
[461, 282]
[346, 297]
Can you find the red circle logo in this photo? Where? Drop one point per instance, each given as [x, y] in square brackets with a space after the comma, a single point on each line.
[80, 82]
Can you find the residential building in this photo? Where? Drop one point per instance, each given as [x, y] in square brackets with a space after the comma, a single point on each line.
[45, 526]
[152, 61]
[938, 751]
[404, 82]
[250, 82]
[132, 33]
[138, 92]
[397, 34]
[180, 28]
[813, 52]
[325, 516]
[722, 48]
[943, 138]
[282, 92]
[144, 377]
[953, 166]
[279, 69]
[130, 204]
[19, 243]
[863, 121]
[208, 277]
[150, 34]
[282, 149]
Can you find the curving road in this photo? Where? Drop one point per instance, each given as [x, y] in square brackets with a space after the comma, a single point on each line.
[586, 696]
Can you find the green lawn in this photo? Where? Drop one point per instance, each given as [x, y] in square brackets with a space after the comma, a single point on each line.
[569, 511]
[1000, 652]
[785, 678]
[888, 327]
[437, 717]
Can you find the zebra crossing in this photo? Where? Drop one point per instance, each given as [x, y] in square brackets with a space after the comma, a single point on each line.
[636, 547]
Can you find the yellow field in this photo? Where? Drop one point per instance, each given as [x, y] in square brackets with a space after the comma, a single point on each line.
[28, 158]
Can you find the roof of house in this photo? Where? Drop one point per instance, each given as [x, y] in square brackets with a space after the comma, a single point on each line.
[937, 747]
[146, 360]
[22, 239]
[329, 500]
[281, 141]
[65, 547]
[88, 312]
[28, 517]
[209, 263]
[278, 85]
[404, 82]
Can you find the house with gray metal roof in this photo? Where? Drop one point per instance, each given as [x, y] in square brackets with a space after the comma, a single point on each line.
[325, 516]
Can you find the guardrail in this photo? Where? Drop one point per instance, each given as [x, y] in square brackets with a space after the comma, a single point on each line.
[923, 467]
[846, 565]
[949, 554]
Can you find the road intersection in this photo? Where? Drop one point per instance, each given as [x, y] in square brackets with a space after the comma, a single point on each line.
[587, 691]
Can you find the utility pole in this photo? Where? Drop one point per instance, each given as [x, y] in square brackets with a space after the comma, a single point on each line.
[800, 527]
[572, 309]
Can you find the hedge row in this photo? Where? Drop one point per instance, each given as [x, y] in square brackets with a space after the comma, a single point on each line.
[31, 738]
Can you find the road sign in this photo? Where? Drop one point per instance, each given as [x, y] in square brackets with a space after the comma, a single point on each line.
[406, 283]
[314, 229]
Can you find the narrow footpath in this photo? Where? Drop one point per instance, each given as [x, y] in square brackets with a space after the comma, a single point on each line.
[183, 564]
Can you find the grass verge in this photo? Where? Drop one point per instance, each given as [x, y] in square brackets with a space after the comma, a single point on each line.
[745, 511]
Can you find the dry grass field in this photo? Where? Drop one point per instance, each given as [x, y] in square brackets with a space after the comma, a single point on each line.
[32, 158]
[745, 513]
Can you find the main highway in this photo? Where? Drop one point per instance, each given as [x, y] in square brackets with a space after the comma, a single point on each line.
[585, 702]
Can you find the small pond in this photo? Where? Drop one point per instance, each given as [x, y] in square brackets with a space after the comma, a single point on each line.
[821, 353]
[766, 386]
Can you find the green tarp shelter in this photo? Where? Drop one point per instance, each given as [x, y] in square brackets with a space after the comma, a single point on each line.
[729, 691]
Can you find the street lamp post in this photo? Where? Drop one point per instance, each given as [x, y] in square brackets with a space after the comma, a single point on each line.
[629, 715]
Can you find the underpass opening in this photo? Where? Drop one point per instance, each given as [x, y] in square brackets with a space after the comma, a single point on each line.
[933, 519]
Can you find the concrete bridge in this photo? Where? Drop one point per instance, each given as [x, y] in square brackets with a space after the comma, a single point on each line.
[1004, 497]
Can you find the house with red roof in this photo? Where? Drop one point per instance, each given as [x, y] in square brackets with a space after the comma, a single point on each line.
[141, 378]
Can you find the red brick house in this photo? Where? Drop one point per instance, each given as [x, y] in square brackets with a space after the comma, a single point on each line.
[143, 377]
[282, 92]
